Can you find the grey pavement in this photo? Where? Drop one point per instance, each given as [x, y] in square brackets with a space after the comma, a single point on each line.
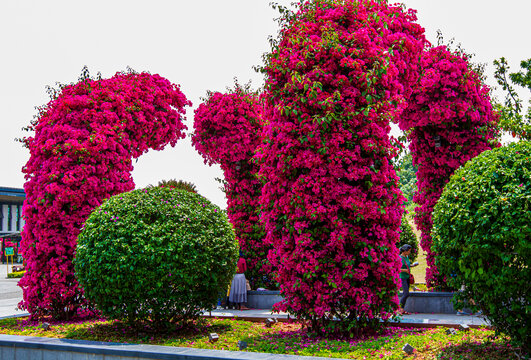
[413, 320]
[10, 294]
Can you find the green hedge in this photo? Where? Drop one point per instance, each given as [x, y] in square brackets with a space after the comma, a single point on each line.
[156, 254]
[482, 237]
[16, 274]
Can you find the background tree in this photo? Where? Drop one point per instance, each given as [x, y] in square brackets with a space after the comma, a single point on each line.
[407, 236]
[227, 131]
[449, 120]
[512, 116]
[178, 184]
[407, 174]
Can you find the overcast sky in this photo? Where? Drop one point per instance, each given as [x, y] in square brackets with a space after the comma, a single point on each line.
[201, 45]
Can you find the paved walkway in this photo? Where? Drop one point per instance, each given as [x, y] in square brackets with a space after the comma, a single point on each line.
[11, 295]
[413, 320]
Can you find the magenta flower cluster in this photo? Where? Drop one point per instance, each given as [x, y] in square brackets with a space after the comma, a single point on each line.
[330, 204]
[449, 120]
[312, 192]
[227, 130]
[80, 155]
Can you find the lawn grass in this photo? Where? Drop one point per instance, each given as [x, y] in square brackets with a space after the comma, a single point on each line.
[283, 338]
[419, 272]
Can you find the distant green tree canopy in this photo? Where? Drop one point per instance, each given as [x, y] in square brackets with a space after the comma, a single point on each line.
[512, 116]
[408, 177]
[179, 184]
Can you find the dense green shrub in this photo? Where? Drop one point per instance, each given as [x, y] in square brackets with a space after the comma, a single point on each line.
[482, 233]
[155, 254]
[407, 236]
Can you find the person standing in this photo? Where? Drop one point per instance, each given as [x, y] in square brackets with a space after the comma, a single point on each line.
[405, 272]
[238, 288]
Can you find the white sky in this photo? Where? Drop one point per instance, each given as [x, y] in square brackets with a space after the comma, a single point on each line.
[199, 44]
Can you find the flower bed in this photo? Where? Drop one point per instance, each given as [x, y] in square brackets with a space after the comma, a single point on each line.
[282, 338]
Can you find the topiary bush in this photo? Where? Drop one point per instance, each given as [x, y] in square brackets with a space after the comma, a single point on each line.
[481, 233]
[156, 254]
[407, 236]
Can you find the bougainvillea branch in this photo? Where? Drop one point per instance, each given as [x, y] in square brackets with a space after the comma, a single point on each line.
[81, 154]
[227, 132]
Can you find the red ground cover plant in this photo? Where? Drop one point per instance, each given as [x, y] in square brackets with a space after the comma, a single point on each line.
[85, 139]
[331, 203]
[449, 121]
[227, 129]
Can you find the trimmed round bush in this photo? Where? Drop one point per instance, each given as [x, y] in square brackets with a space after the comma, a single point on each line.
[156, 254]
[482, 233]
[407, 236]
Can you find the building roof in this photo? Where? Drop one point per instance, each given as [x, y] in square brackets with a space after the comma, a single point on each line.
[9, 191]
[13, 235]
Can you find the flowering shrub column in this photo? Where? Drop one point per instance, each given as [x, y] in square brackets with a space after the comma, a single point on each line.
[80, 155]
[450, 121]
[331, 202]
[227, 132]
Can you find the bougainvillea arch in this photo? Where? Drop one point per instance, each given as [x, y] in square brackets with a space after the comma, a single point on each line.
[340, 72]
[227, 131]
[81, 154]
[449, 120]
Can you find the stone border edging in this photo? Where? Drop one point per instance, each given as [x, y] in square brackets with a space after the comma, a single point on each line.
[263, 292]
[14, 316]
[36, 347]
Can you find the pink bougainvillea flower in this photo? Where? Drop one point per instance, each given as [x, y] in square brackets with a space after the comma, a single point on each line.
[81, 154]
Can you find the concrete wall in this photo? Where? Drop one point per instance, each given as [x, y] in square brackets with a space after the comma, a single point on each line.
[418, 302]
[263, 299]
[430, 302]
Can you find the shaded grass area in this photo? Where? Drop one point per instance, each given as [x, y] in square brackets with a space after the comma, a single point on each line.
[282, 338]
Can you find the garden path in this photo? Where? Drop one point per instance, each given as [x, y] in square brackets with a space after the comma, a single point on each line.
[413, 320]
[10, 294]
